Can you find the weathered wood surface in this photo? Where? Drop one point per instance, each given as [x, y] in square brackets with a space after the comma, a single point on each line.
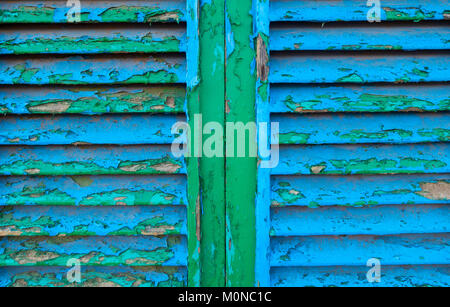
[106, 251]
[359, 191]
[358, 67]
[356, 98]
[92, 40]
[93, 190]
[92, 221]
[363, 128]
[364, 37]
[78, 129]
[92, 100]
[377, 220]
[90, 70]
[405, 249]
[94, 11]
[351, 10]
[355, 276]
[89, 160]
[94, 276]
[364, 159]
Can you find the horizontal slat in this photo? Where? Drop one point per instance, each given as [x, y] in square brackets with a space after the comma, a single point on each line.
[93, 11]
[363, 128]
[88, 160]
[91, 100]
[92, 40]
[358, 37]
[380, 220]
[107, 251]
[94, 277]
[356, 250]
[366, 159]
[351, 10]
[360, 190]
[92, 221]
[368, 98]
[76, 129]
[358, 68]
[391, 276]
[93, 190]
[93, 70]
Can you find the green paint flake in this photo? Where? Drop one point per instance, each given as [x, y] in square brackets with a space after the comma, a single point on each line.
[358, 134]
[26, 74]
[125, 197]
[126, 13]
[39, 195]
[28, 14]
[153, 77]
[440, 133]
[396, 15]
[294, 138]
[353, 78]
[290, 195]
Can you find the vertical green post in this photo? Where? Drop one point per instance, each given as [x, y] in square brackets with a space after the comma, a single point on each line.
[240, 171]
[212, 169]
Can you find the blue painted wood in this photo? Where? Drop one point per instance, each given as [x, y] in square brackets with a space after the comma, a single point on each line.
[93, 70]
[349, 10]
[363, 128]
[412, 249]
[106, 251]
[364, 159]
[358, 68]
[94, 11]
[92, 221]
[89, 160]
[93, 190]
[377, 220]
[355, 276]
[361, 37]
[360, 190]
[94, 276]
[359, 98]
[110, 39]
[111, 129]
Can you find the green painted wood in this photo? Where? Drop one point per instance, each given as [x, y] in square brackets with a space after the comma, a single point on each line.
[93, 40]
[240, 171]
[212, 172]
[91, 99]
[93, 11]
[95, 276]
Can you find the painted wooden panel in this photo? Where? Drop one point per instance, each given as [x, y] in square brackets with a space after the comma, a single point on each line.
[363, 37]
[94, 11]
[355, 276]
[94, 190]
[359, 67]
[92, 221]
[106, 251]
[356, 98]
[356, 250]
[377, 220]
[94, 276]
[89, 160]
[92, 41]
[363, 128]
[351, 10]
[359, 190]
[111, 129]
[91, 100]
[364, 159]
[93, 70]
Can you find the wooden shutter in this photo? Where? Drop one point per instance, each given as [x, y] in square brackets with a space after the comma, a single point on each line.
[364, 154]
[85, 159]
